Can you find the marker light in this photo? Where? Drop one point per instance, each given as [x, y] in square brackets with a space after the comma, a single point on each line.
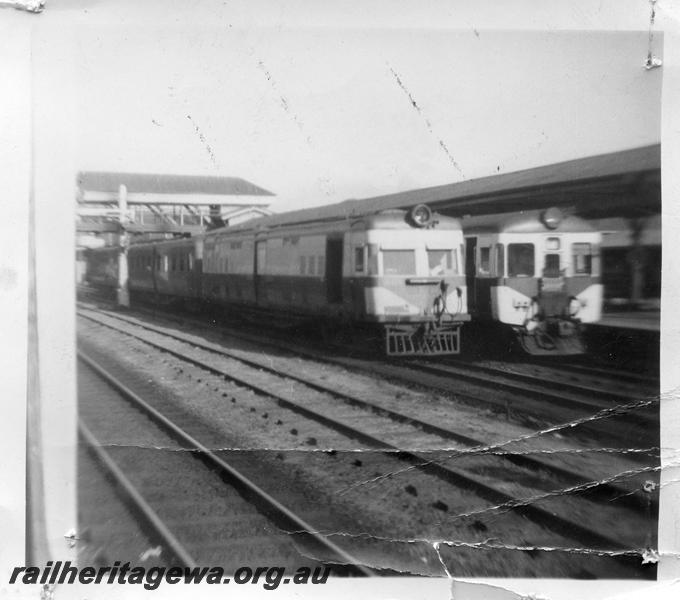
[552, 217]
[421, 215]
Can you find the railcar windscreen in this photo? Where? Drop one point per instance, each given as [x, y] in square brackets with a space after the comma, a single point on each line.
[442, 262]
[399, 262]
[521, 260]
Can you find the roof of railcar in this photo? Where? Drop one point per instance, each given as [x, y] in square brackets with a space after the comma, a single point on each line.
[163, 244]
[528, 221]
[390, 219]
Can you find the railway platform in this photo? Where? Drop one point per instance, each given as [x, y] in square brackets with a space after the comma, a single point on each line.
[647, 320]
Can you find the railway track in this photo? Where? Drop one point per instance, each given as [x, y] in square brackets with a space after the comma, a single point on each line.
[200, 508]
[579, 397]
[542, 478]
[610, 374]
[594, 384]
[574, 414]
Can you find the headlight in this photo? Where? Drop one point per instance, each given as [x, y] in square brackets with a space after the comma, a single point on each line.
[421, 215]
[552, 217]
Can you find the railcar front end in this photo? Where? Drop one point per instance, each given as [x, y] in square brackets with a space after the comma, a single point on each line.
[407, 275]
[537, 272]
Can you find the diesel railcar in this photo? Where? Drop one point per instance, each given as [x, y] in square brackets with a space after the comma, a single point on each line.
[396, 270]
[537, 272]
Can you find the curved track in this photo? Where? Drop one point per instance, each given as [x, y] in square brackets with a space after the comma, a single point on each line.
[165, 514]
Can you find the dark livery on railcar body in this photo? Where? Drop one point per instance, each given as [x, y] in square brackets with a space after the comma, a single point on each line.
[537, 272]
[400, 271]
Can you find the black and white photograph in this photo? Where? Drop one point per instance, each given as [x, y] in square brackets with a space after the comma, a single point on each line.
[332, 298]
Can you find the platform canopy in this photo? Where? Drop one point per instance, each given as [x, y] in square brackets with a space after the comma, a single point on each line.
[625, 183]
[170, 204]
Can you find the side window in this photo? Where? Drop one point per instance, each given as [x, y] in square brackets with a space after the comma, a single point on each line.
[303, 265]
[310, 265]
[484, 260]
[320, 263]
[358, 259]
[500, 260]
[521, 260]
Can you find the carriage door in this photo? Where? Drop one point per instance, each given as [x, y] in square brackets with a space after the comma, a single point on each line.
[334, 270]
[471, 272]
[552, 285]
[258, 269]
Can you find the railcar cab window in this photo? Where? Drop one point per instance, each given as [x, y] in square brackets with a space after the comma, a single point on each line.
[582, 259]
[521, 260]
[500, 261]
[441, 262]
[399, 262]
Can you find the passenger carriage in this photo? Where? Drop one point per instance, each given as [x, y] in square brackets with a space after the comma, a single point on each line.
[537, 272]
[166, 271]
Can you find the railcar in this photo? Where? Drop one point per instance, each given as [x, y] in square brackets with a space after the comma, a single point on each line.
[536, 272]
[397, 270]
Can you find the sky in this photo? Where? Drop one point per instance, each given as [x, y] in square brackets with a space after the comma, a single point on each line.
[321, 114]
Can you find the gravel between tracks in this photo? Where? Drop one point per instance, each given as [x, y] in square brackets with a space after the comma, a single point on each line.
[359, 487]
